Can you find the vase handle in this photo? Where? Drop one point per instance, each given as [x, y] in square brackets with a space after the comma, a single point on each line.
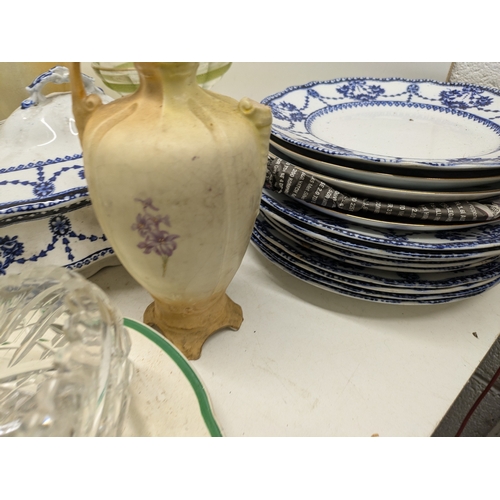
[83, 105]
[261, 116]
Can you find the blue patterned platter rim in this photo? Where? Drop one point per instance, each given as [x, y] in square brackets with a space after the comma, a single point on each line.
[422, 124]
[395, 299]
[41, 186]
[474, 238]
[371, 260]
[366, 277]
[70, 238]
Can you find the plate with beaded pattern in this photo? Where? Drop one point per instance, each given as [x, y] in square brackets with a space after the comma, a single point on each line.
[421, 124]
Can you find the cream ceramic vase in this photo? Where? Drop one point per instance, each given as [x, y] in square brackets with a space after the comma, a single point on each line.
[175, 175]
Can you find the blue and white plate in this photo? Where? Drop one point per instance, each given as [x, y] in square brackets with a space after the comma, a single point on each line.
[407, 195]
[414, 123]
[41, 164]
[389, 281]
[370, 289]
[396, 299]
[371, 260]
[338, 241]
[40, 186]
[385, 177]
[330, 239]
[475, 238]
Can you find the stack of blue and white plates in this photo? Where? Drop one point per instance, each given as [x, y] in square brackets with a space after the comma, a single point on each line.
[386, 190]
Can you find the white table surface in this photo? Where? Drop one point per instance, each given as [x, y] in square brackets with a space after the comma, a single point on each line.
[307, 362]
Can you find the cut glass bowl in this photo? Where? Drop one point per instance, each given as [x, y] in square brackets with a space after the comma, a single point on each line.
[64, 367]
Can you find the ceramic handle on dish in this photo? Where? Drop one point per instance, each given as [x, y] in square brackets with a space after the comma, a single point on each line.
[57, 74]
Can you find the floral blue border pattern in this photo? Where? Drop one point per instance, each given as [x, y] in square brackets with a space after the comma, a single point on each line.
[40, 163]
[295, 108]
[13, 250]
[42, 185]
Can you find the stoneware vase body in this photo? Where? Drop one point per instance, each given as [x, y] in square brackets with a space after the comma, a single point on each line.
[175, 175]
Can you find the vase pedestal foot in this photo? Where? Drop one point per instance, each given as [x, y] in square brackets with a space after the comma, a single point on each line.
[188, 326]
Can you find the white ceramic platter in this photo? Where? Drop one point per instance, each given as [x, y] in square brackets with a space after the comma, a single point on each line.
[41, 165]
[416, 123]
[475, 238]
[380, 176]
[46, 217]
[167, 396]
[404, 195]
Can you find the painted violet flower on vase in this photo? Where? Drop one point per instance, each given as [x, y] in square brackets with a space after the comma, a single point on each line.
[156, 239]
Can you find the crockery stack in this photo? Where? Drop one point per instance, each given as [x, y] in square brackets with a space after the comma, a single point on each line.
[386, 190]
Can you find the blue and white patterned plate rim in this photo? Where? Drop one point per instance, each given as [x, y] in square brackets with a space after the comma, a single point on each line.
[370, 289]
[308, 278]
[332, 239]
[376, 261]
[292, 120]
[479, 237]
[439, 279]
[38, 185]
